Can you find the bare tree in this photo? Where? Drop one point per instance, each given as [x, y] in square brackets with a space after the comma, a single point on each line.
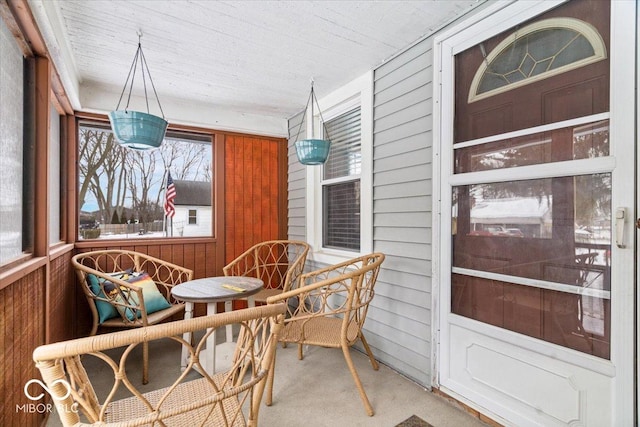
[101, 172]
[142, 179]
[186, 160]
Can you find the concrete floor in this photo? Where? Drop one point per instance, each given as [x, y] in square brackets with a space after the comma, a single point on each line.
[317, 391]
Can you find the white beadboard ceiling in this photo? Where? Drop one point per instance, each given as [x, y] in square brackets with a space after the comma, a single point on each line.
[255, 58]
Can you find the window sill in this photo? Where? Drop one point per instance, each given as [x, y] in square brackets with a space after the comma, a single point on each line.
[332, 256]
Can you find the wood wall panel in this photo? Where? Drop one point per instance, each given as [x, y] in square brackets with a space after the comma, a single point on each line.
[60, 298]
[22, 328]
[254, 188]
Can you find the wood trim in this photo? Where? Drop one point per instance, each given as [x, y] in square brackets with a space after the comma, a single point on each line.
[7, 15]
[468, 409]
[41, 190]
[283, 190]
[182, 128]
[10, 276]
[65, 171]
[219, 200]
[27, 23]
[70, 200]
[119, 243]
[56, 103]
[59, 250]
[24, 27]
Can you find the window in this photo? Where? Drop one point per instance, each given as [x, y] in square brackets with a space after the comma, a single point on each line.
[122, 191]
[193, 216]
[16, 231]
[339, 193]
[540, 50]
[341, 183]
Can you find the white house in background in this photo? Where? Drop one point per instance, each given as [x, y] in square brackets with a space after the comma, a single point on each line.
[519, 217]
[193, 209]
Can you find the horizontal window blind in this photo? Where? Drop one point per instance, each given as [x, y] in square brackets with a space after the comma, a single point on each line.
[345, 155]
[341, 196]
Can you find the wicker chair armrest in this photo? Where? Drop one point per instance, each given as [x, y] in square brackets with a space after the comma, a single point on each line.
[316, 299]
[61, 367]
[305, 290]
[113, 340]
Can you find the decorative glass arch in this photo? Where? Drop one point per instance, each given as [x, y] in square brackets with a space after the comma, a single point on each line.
[535, 52]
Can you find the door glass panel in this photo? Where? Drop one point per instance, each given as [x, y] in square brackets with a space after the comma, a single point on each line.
[536, 53]
[552, 238]
[570, 143]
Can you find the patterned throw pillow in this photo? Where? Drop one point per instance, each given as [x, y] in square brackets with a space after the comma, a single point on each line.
[153, 299]
[105, 309]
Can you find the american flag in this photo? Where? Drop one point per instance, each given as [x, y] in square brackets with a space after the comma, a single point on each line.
[169, 197]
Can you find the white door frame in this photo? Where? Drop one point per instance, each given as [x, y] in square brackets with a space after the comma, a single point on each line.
[490, 21]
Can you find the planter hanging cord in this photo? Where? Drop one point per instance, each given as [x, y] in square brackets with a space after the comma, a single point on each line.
[132, 69]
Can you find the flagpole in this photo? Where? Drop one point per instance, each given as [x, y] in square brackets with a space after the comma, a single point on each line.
[169, 207]
[164, 217]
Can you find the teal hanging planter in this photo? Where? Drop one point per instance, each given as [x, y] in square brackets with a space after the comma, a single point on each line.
[138, 130]
[313, 151]
[135, 129]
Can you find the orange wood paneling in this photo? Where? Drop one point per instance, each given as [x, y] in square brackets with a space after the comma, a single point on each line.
[61, 299]
[253, 192]
[21, 331]
[200, 256]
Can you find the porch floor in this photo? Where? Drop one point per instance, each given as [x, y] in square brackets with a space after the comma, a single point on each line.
[317, 391]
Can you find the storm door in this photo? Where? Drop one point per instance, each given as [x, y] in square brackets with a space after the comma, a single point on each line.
[533, 222]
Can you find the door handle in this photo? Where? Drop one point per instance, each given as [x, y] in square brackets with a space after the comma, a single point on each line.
[620, 218]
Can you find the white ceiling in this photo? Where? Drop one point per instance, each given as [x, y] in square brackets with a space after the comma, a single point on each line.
[251, 57]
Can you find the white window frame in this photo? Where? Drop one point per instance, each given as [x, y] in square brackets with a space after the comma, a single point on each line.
[357, 93]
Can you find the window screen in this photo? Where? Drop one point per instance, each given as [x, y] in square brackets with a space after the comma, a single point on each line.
[11, 148]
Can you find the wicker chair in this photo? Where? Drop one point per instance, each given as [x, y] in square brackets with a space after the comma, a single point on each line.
[278, 263]
[117, 302]
[329, 309]
[230, 398]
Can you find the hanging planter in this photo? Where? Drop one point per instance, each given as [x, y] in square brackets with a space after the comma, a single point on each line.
[312, 151]
[135, 129]
[138, 130]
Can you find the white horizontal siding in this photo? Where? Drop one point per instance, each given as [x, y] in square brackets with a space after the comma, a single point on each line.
[296, 184]
[399, 326]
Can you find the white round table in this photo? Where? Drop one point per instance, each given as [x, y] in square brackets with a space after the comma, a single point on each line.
[211, 291]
